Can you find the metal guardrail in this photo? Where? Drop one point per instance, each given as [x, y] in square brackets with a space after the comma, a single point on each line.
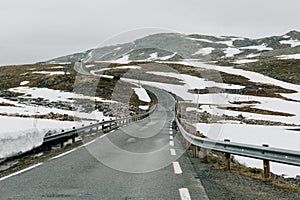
[278, 155]
[75, 131]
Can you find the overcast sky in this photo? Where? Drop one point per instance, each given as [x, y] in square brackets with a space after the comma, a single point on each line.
[37, 30]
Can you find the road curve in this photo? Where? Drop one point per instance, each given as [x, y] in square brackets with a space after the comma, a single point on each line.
[143, 160]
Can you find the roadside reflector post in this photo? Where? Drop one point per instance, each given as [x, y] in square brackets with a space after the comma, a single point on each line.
[266, 165]
[103, 124]
[227, 158]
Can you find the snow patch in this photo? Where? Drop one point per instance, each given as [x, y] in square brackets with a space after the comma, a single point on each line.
[204, 51]
[24, 83]
[53, 95]
[202, 40]
[50, 72]
[168, 57]
[123, 60]
[144, 107]
[142, 94]
[231, 52]
[89, 66]
[262, 47]
[153, 56]
[58, 67]
[244, 61]
[291, 42]
[290, 56]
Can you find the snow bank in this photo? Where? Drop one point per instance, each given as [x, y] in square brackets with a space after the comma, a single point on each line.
[22, 134]
[25, 140]
[274, 136]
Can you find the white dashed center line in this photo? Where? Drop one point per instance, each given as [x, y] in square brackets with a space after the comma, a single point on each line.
[177, 168]
[171, 143]
[173, 152]
[184, 194]
[171, 137]
[171, 132]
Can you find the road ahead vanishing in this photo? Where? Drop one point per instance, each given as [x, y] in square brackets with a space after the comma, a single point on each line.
[144, 160]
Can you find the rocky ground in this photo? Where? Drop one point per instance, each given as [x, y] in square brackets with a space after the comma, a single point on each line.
[223, 184]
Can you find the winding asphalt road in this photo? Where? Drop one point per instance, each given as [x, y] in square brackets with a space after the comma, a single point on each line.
[144, 160]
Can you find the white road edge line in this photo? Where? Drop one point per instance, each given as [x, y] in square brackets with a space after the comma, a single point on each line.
[173, 152]
[177, 168]
[63, 154]
[21, 171]
[184, 194]
[171, 143]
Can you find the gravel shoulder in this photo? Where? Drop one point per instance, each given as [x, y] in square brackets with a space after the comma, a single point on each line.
[222, 184]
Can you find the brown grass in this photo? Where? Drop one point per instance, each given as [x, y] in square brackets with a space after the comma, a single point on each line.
[257, 111]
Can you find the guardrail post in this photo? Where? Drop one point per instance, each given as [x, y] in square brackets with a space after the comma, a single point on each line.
[205, 155]
[266, 164]
[91, 129]
[62, 144]
[102, 125]
[110, 125]
[195, 151]
[227, 158]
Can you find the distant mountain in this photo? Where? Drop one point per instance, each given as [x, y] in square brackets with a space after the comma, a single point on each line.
[175, 46]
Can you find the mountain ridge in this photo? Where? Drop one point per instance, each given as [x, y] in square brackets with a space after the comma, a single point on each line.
[178, 46]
